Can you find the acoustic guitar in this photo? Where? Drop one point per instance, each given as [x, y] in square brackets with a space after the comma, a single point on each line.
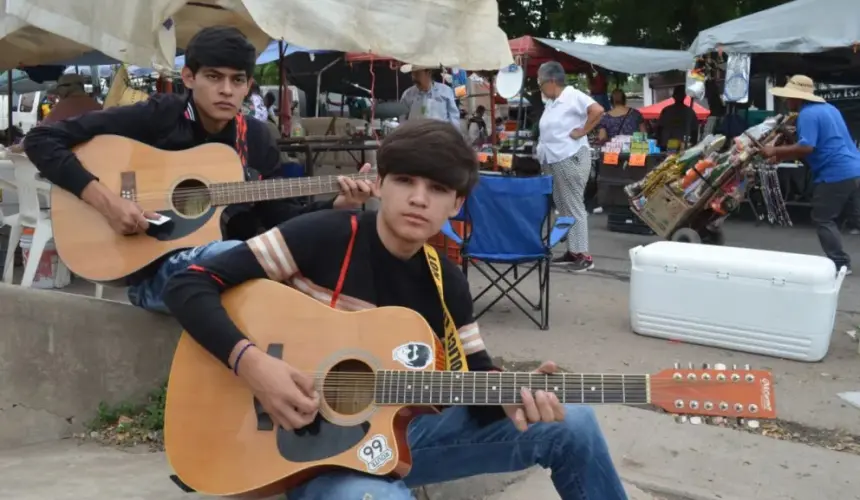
[189, 189]
[375, 370]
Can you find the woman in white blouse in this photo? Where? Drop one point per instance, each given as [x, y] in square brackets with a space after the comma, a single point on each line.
[568, 117]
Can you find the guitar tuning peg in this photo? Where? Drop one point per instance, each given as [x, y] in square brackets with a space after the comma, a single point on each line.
[681, 419]
[677, 366]
[753, 424]
[696, 420]
[706, 366]
[717, 420]
[747, 367]
[690, 366]
[734, 367]
[719, 366]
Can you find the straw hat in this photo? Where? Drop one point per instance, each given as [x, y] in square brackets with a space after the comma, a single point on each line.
[798, 87]
[409, 68]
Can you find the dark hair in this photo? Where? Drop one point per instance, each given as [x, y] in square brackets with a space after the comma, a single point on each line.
[432, 149]
[623, 96]
[220, 47]
[480, 109]
[269, 97]
[679, 93]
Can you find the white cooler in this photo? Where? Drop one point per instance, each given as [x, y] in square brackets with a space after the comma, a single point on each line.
[758, 301]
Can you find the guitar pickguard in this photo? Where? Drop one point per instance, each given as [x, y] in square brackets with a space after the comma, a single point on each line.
[320, 440]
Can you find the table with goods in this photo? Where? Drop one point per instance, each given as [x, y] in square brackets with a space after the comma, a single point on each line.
[689, 195]
[622, 160]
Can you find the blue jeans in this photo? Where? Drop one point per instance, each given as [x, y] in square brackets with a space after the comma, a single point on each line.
[149, 294]
[451, 445]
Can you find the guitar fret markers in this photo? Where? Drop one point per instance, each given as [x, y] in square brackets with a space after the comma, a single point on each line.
[494, 388]
[229, 193]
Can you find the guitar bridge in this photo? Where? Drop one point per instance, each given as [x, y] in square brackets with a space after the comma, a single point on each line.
[128, 186]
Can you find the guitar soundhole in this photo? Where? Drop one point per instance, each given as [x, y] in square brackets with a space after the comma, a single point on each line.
[348, 387]
[190, 198]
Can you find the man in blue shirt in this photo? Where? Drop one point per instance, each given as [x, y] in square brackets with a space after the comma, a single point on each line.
[824, 142]
[429, 99]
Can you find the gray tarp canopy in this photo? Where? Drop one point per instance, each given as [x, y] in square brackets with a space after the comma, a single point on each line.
[631, 60]
[802, 26]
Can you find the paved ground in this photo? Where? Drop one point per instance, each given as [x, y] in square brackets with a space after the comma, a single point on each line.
[590, 332]
[668, 462]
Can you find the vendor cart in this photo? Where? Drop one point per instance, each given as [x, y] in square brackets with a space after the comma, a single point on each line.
[689, 196]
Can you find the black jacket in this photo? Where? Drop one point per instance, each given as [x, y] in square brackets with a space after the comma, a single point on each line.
[165, 121]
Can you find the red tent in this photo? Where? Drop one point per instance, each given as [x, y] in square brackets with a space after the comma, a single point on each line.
[652, 112]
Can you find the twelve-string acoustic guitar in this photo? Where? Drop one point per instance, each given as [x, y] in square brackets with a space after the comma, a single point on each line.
[375, 370]
[188, 189]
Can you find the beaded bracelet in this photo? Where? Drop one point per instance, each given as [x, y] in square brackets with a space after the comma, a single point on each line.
[239, 357]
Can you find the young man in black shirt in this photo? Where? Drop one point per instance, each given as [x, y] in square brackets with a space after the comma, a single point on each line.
[426, 169]
[219, 64]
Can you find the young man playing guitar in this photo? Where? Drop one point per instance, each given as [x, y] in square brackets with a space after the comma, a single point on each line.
[353, 262]
[219, 64]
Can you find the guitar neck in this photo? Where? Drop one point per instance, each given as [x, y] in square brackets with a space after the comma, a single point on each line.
[230, 193]
[503, 388]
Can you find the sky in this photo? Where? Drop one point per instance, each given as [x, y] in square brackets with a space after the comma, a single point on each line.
[597, 40]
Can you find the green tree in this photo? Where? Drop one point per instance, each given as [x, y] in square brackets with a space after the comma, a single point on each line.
[670, 24]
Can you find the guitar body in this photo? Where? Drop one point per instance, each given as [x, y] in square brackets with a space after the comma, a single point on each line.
[154, 179]
[219, 441]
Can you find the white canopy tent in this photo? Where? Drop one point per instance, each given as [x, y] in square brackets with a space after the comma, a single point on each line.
[633, 60]
[461, 33]
[801, 26]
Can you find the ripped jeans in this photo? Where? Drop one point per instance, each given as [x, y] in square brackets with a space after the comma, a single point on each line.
[450, 445]
[149, 293]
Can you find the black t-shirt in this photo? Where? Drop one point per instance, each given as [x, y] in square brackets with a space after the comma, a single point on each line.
[307, 253]
[167, 122]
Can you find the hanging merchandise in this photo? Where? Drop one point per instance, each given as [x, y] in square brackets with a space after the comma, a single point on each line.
[767, 183]
[737, 85]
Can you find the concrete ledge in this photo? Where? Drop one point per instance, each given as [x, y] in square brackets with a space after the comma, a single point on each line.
[63, 354]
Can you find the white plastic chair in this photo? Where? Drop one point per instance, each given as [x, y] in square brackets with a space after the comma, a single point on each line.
[29, 186]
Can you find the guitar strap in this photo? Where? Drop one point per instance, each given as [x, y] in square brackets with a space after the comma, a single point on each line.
[242, 140]
[455, 355]
[344, 267]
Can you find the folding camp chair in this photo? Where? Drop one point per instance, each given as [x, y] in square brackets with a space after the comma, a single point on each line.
[508, 223]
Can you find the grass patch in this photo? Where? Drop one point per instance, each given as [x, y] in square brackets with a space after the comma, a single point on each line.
[128, 424]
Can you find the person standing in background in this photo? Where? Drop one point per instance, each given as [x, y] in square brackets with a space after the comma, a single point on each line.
[677, 125]
[429, 99]
[73, 100]
[620, 120]
[824, 142]
[477, 129]
[568, 117]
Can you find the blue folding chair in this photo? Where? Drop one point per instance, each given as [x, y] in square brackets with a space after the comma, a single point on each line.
[508, 223]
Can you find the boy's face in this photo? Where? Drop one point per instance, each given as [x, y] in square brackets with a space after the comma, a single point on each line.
[415, 208]
[218, 92]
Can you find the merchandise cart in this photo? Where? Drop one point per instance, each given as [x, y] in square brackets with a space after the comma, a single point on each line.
[690, 195]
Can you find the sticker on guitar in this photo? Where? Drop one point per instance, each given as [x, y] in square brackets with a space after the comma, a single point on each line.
[414, 355]
[375, 453]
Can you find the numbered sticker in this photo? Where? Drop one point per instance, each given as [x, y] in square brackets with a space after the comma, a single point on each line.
[375, 453]
[414, 355]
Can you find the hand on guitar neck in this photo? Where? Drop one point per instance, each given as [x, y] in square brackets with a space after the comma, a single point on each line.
[124, 216]
[286, 394]
[538, 407]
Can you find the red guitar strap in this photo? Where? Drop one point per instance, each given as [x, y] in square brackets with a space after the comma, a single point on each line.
[346, 259]
[242, 140]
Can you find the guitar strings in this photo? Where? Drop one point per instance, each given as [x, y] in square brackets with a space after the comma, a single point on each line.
[227, 188]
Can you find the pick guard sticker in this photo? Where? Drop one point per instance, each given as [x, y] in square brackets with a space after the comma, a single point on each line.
[414, 355]
[375, 453]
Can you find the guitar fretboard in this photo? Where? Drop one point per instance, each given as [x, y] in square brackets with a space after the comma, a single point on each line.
[503, 388]
[229, 193]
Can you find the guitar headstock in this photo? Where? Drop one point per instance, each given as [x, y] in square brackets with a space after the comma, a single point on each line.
[715, 391]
